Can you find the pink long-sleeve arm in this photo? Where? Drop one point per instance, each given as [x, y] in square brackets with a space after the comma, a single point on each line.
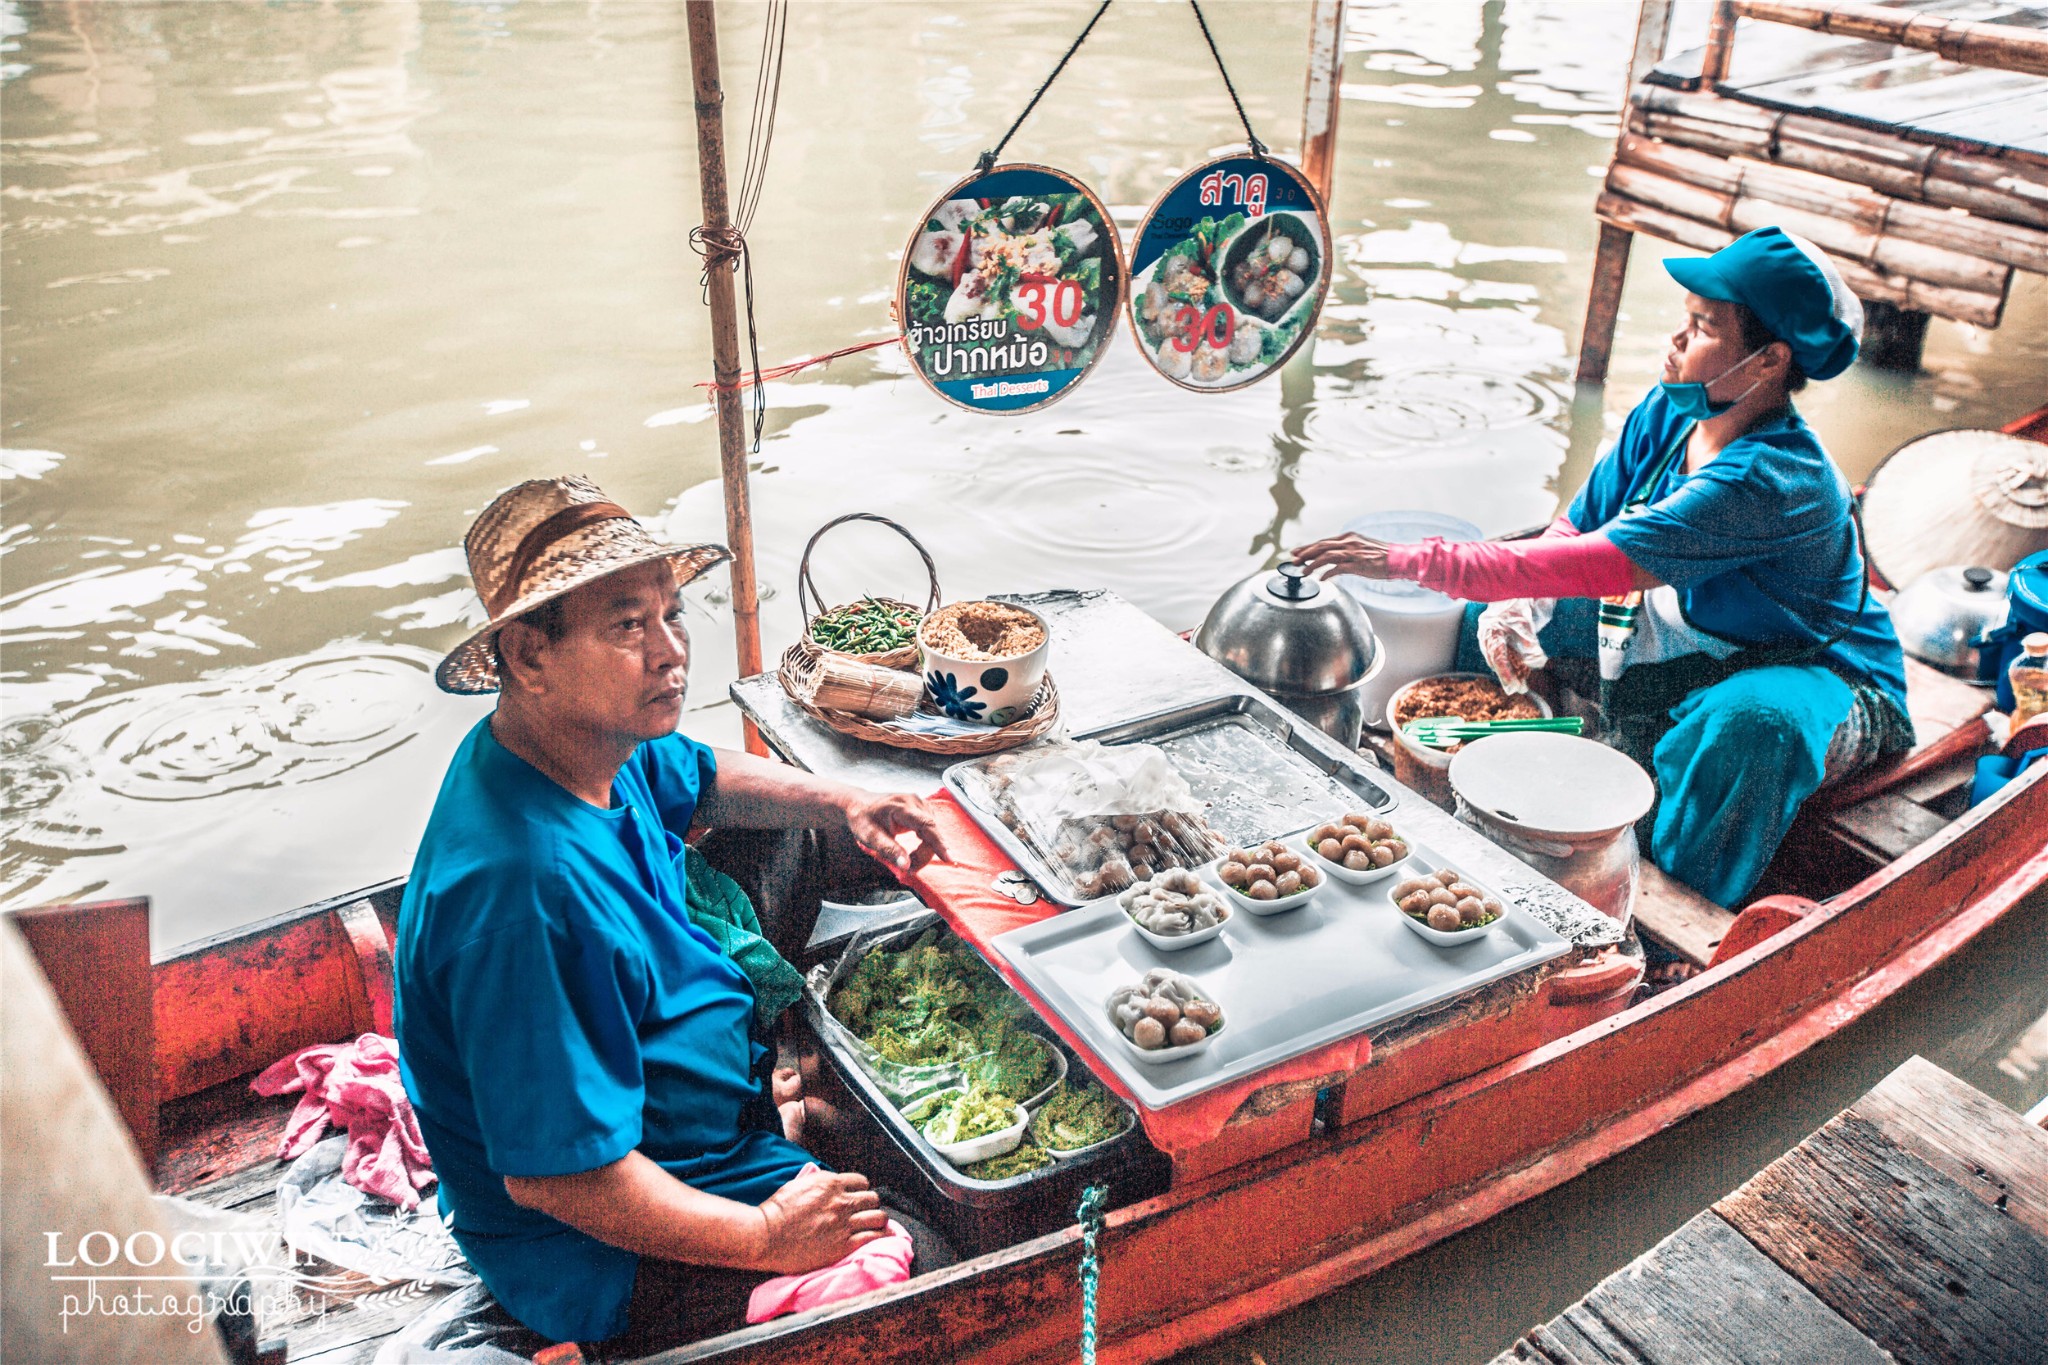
[1556, 564]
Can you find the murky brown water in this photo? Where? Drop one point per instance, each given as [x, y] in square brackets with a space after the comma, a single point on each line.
[290, 290]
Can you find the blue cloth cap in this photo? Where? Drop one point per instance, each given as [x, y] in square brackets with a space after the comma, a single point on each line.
[1792, 287]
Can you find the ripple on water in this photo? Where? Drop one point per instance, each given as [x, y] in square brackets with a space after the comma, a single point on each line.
[276, 724]
[1096, 510]
[1416, 407]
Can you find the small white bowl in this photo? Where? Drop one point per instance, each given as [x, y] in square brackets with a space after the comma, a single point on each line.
[1157, 1055]
[1130, 1122]
[984, 1147]
[1452, 938]
[1345, 874]
[1173, 943]
[1237, 900]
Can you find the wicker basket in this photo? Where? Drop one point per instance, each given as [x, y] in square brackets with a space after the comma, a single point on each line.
[811, 602]
[798, 674]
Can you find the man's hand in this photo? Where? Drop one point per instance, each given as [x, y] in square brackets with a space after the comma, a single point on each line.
[817, 1219]
[1349, 553]
[877, 821]
[787, 1088]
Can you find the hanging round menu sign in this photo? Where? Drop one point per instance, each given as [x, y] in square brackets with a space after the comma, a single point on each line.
[1010, 289]
[1229, 273]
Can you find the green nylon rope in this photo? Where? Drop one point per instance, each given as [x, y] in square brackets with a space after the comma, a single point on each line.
[1090, 1215]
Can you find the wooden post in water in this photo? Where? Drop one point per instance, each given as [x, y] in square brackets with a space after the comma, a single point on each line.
[725, 342]
[1320, 106]
[1610, 261]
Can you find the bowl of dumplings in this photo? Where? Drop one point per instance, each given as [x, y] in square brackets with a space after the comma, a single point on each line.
[1164, 1017]
[1175, 909]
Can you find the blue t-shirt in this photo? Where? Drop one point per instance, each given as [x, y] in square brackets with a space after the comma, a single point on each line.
[1758, 542]
[556, 1009]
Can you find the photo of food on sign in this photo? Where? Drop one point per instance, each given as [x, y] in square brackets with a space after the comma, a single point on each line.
[1229, 273]
[1010, 288]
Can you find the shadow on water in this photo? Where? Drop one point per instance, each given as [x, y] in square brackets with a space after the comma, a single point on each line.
[1469, 1297]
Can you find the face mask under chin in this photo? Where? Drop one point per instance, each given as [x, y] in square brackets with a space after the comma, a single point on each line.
[1691, 400]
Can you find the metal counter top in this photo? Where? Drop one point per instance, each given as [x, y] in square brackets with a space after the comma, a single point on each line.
[1114, 664]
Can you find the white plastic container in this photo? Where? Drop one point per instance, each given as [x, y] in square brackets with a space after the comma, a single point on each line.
[1000, 1143]
[1417, 628]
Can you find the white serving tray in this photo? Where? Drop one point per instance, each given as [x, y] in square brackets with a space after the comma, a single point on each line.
[1341, 965]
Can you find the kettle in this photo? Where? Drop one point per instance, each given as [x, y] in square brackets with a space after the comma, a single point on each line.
[1940, 615]
[1309, 645]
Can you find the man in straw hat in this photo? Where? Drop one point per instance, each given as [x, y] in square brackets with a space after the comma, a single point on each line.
[579, 1001]
[1713, 568]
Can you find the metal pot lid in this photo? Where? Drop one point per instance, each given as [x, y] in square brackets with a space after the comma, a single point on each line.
[1552, 784]
[1940, 614]
[1285, 632]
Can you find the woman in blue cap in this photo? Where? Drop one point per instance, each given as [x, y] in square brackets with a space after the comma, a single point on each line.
[1712, 565]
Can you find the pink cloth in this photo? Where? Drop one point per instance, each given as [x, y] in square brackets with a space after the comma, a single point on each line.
[355, 1086]
[872, 1265]
[1556, 564]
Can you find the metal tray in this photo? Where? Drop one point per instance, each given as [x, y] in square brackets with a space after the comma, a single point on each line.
[1255, 767]
[1288, 983]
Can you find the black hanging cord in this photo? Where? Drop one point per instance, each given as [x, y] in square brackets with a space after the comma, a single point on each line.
[730, 247]
[1258, 147]
[988, 158]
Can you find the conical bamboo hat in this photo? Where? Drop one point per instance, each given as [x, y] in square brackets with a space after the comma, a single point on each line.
[1956, 497]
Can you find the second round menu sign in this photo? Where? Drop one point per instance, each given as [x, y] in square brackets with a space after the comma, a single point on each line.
[1010, 289]
[1228, 273]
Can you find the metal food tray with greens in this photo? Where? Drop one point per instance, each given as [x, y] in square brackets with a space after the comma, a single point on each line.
[1341, 965]
[1251, 764]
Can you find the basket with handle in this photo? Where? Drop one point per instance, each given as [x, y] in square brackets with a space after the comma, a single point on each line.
[811, 602]
[801, 676]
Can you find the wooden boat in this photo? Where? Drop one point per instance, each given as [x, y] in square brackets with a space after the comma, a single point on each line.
[1456, 1119]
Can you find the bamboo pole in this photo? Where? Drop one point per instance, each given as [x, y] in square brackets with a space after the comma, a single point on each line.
[1322, 102]
[1720, 53]
[1841, 237]
[1952, 233]
[2002, 47]
[1963, 305]
[725, 342]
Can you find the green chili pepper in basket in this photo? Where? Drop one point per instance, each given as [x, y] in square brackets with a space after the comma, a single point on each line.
[867, 627]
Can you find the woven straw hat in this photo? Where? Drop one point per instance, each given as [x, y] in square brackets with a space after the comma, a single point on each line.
[540, 539]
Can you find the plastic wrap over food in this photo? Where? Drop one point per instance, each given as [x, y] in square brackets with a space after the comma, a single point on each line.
[1103, 817]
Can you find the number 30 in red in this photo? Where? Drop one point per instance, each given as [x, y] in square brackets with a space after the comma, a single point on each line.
[1067, 300]
[1215, 327]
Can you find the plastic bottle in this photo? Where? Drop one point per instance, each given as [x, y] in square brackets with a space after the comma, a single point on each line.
[2029, 674]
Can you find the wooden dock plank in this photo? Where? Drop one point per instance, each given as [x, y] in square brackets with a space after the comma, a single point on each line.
[1679, 917]
[1702, 1296]
[1910, 1258]
[1967, 1136]
[1877, 84]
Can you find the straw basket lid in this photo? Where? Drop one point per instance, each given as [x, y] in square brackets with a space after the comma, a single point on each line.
[1957, 497]
[539, 540]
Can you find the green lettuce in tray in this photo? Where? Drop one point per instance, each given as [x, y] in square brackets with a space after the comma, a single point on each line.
[1078, 1116]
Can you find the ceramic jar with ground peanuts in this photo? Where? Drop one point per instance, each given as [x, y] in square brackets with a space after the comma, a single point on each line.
[983, 661]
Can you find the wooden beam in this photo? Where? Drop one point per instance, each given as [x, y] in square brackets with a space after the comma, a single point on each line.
[1679, 917]
[1603, 303]
[2002, 47]
[1322, 103]
[1720, 52]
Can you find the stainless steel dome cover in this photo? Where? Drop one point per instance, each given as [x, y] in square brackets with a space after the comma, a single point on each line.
[1286, 632]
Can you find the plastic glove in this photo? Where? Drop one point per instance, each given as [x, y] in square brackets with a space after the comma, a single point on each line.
[1508, 639]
